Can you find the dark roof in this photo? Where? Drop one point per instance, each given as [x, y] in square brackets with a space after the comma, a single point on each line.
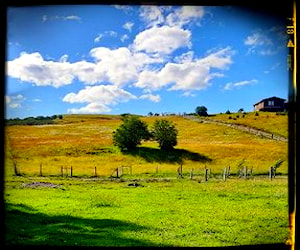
[274, 97]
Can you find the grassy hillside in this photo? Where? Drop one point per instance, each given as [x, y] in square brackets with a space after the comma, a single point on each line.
[267, 121]
[85, 142]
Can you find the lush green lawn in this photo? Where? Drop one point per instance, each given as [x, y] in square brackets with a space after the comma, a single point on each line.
[178, 212]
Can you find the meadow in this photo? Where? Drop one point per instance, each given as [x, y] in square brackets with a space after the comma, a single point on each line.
[85, 142]
[151, 206]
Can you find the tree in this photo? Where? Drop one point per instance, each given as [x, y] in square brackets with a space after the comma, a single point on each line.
[130, 134]
[165, 133]
[201, 111]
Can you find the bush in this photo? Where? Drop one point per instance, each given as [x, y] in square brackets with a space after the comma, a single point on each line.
[130, 134]
[228, 112]
[256, 114]
[201, 111]
[165, 133]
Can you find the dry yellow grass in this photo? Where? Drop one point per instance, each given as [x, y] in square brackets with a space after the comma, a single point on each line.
[85, 142]
[267, 121]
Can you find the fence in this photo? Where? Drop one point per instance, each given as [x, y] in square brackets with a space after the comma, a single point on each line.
[200, 174]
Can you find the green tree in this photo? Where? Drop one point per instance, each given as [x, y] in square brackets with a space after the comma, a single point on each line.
[201, 111]
[130, 134]
[165, 133]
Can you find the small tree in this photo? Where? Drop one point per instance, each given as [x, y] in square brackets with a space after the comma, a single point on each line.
[241, 110]
[165, 133]
[201, 111]
[130, 134]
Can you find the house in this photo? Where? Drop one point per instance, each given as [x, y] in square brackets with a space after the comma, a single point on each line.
[274, 104]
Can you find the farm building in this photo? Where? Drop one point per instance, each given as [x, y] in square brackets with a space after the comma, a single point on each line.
[271, 104]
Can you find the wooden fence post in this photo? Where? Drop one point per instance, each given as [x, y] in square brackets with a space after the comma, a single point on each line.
[41, 173]
[225, 174]
[192, 174]
[62, 171]
[228, 172]
[95, 171]
[71, 171]
[206, 174]
[117, 172]
[245, 172]
[272, 173]
[15, 167]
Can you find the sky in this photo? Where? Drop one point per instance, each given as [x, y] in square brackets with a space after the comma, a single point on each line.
[112, 59]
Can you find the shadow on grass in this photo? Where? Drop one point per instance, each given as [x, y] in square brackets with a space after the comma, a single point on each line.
[174, 156]
[26, 226]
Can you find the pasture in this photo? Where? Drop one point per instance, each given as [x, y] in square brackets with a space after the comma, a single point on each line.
[150, 206]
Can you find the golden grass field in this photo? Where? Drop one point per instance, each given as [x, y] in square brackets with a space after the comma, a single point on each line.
[85, 142]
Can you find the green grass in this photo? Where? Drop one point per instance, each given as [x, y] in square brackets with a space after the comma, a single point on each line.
[162, 210]
[90, 212]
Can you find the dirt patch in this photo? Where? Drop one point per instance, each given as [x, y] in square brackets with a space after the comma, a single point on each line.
[40, 184]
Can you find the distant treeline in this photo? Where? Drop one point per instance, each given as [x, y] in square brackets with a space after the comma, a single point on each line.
[39, 120]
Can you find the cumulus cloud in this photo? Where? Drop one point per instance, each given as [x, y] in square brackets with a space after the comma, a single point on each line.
[152, 15]
[189, 74]
[99, 98]
[185, 15]
[230, 85]
[33, 68]
[14, 101]
[153, 98]
[117, 66]
[162, 40]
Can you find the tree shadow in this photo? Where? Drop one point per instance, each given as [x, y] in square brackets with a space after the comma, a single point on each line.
[173, 156]
[26, 226]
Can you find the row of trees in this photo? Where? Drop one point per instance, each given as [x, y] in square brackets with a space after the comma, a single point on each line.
[39, 120]
[133, 131]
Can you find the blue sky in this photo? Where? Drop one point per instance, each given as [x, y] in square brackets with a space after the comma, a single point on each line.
[98, 59]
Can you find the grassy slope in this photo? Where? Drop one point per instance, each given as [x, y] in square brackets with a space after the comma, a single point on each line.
[176, 213]
[266, 121]
[85, 142]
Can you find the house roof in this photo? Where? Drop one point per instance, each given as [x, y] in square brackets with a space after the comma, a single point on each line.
[266, 99]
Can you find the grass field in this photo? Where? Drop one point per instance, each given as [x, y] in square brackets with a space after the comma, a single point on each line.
[87, 212]
[161, 210]
[266, 121]
[85, 142]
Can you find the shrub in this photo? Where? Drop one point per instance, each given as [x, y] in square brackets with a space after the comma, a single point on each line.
[130, 134]
[165, 133]
[256, 114]
[201, 111]
[228, 112]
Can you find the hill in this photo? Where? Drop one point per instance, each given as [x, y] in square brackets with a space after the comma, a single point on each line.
[85, 142]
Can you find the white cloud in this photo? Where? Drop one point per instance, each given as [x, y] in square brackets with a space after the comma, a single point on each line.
[91, 108]
[33, 68]
[189, 74]
[128, 26]
[266, 42]
[46, 18]
[230, 85]
[124, 38]
[185, 15]
[257, 39]
[99, 98]
[153, 98]
[98, 38]
[14, 101]
[152, 15]
[163, 40]
[119, 66]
